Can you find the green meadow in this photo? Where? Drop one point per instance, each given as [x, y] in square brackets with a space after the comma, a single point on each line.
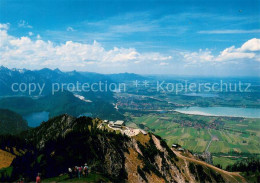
[230, 136]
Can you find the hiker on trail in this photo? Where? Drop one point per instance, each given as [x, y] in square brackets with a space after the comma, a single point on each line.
[85, 169]
[21, 180]
[70, 173]
[38, 178]
[75, 171]
[79, 171]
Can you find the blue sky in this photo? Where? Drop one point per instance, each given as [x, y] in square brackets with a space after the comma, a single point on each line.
[160, 37]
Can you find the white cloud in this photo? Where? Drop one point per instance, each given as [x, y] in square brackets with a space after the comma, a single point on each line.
[248, 51]
[4, 26]
[132, 27]
[154, 56]
[235, 31]
[201, 56]
[70, 29]
[233, 54]
[30, 33]
[34, 54]
[251, 45]
[4, 35]
[24, 24]
[164, 63]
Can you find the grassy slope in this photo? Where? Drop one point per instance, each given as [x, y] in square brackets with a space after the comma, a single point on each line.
[224, 162]
[6, 159]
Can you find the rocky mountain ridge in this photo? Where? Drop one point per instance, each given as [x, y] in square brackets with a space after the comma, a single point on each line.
[65, 141]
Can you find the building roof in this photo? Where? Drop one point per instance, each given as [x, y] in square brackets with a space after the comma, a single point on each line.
[119, 122]
[143, 132]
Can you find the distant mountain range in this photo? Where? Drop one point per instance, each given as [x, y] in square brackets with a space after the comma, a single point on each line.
[99, 105]
[123, 77]
[48, 76]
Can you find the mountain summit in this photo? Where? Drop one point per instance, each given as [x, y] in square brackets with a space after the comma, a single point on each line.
[66, 141]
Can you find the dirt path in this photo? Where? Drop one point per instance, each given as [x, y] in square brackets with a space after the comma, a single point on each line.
[209, 141]
[208, 145]
[188, 171]
[232, 175]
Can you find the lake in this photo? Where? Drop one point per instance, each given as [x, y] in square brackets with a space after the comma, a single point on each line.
[85, 114]
[35, 119]
[204, 95]
[221, 111]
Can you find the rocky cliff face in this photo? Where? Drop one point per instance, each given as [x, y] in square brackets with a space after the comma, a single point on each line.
[151, 160]
[66, 141]
[52, 130]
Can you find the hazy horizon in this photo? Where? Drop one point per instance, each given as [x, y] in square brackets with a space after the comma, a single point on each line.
[154, 74]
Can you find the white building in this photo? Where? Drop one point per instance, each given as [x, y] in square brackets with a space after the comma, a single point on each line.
[143, 132]
[119, 124]
[180, 149]
[174, 145]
